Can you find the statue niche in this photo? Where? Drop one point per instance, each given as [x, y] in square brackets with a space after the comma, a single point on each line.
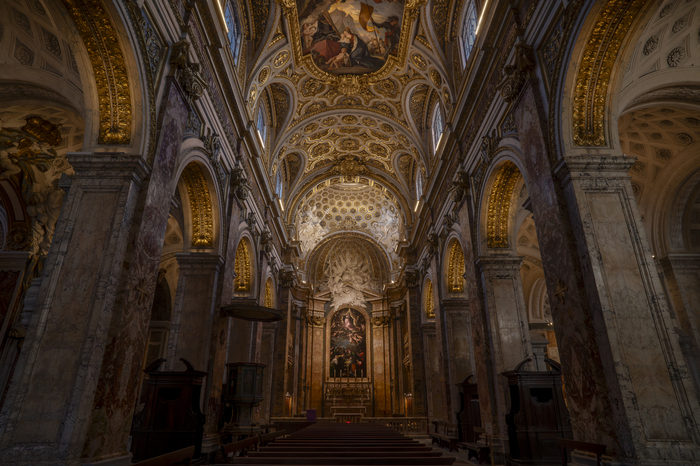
[348, 355]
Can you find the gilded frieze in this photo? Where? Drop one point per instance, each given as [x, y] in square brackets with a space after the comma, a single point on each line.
[595, 69]
[109, 67]
[499, 206]
[201, 206]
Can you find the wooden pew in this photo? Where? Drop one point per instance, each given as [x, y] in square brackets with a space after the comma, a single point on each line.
[171, 458]
[480, 451]
[597, 449]
[265, 438]
[242, 445]
[445, 435]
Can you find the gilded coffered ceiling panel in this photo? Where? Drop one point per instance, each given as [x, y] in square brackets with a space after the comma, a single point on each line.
[348, 116]
[341, 206]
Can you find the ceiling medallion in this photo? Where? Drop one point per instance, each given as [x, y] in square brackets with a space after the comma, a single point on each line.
[350, 44]
[349, 167]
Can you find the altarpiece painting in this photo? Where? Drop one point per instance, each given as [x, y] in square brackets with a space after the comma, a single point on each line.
[348, 344]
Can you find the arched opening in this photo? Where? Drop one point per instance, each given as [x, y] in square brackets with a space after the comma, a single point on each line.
[243, 283]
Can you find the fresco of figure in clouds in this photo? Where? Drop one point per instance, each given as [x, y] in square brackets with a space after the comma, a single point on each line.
[350, 36]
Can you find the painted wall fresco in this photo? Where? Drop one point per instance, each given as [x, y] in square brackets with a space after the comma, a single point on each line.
[350, 36]
[348, 344]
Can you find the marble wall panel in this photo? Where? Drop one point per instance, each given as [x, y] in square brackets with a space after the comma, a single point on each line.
[588, 396]
[637, 346]
[115, 396]
[70, 319]
[382, 402]
[193, 310]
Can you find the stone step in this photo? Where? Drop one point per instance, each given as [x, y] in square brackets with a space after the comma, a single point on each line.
[331, 461]
[344, 454]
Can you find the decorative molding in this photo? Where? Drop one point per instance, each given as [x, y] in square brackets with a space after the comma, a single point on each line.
[515, 75]
[200, 203]
[429, 300]
[456, 269]
[499, 206]
[596, 66]
[242, 267]
[109, 67]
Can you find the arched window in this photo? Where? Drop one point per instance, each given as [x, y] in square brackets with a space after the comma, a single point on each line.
[468, 32]
[429, 300]
[419, 184]
[242, 268]
[234, 29]
[438, 125]
[278, 183]
[455, 269]
[260, 124]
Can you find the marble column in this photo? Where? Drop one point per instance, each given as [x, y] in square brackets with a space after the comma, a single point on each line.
[283, 354]
[193, 310]
[192, 327]
[682, 275]
[626, 383]
[270, 336]
[507, 311]
[415, 343]
[381, 363]
[458, 331]
[443, 355]
[484, 366]
[508, 331]
[434, 378]
[73, 316]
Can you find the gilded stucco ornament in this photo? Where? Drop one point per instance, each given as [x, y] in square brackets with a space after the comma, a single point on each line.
[109, 68]
[595, 69]
[201, 206]
[499, 205]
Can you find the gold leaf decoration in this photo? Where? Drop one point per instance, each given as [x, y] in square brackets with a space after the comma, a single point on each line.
[455, 269]
[499, 206]
[242, 268]
[596, 67]
[108, 65]
[200, 204]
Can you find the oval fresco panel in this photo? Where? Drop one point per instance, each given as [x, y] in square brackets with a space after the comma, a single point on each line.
[350, 36]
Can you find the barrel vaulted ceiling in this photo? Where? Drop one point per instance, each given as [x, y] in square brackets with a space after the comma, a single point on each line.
[333, 118]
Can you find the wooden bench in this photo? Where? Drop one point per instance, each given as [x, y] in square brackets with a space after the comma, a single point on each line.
[445, 435]
[597, 449]
[183, 456]
[242, 445]
[478, 450]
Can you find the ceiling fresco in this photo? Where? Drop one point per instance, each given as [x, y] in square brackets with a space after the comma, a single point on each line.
[356, 82]
[350, 36]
